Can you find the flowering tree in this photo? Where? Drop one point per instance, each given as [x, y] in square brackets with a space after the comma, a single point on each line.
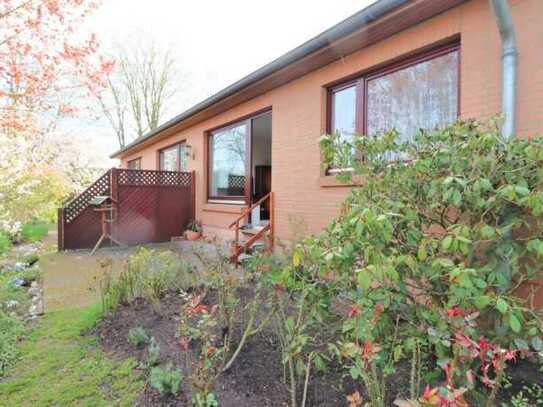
[42, 61]
[47, 69]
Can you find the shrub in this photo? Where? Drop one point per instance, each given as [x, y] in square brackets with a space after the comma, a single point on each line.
[167, 381]
[153, 352]
[426, 257]
[34, 231]
[138, 336]
[147, 274]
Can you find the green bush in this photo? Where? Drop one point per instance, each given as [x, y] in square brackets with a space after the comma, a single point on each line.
[147, 274]
[167, 381]
[138, 336]
[10, 331]
[425, 260]
[153, 352]
[34, 231]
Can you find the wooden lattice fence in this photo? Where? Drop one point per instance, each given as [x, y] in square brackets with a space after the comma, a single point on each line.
[152, 206]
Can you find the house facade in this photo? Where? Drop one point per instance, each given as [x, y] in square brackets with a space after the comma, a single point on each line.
[403, 64]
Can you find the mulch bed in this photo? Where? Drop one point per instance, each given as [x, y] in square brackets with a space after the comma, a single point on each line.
[256, 378]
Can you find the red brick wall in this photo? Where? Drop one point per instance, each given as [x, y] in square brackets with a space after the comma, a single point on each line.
[299, 109]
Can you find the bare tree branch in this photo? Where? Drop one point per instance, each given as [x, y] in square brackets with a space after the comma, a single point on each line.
[144, 85]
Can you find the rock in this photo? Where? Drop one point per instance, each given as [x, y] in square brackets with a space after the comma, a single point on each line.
[34, 284]
[36, 309]
[20, 266]
[11, 304]
[16, 282]
[39, 308]
[34, 291]
[36, 299]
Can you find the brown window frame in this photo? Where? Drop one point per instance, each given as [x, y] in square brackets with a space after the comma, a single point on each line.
[247, 120]
[130, 163]
[160, 160]
[361, 83]
[238, 199]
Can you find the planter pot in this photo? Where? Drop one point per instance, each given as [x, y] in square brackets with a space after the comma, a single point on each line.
[192, 235]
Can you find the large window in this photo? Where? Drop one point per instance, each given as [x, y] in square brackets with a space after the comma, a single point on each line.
[228, 162]
[420, 93]
[173, 158]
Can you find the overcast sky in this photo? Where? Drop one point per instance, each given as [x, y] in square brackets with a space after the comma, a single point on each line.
[217, 42]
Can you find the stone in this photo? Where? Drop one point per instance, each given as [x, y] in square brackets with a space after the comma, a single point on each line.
[11, 304]
[34, 284]
[20, 266]
[34, 291]
[16, 282]
[36, 309]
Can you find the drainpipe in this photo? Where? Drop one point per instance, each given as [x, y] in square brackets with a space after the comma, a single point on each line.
[505, 25]
[509, 65]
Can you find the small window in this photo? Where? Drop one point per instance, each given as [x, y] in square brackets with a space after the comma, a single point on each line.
[227, 162]
[173, 158]
[134, 164]
[419, 93]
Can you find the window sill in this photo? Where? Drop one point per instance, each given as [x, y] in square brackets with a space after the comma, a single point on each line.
[331, 181]
[234, 208]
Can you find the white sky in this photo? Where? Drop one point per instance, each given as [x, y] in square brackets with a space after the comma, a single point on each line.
[216, 42]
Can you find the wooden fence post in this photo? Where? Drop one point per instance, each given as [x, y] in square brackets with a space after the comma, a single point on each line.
[114, 193]
[60, 225]
[193, 194]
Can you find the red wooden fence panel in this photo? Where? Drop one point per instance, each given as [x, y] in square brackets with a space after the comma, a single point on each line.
[152, 206]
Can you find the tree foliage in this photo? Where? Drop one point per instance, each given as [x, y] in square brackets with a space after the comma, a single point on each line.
[46, 73]
[44, 66]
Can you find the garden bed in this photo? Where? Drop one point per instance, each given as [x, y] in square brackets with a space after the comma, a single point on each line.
[256, 378]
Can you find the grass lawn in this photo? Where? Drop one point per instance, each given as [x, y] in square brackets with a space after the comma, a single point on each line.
[59, 366]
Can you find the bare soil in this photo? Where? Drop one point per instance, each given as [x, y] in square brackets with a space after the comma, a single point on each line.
[257, 376]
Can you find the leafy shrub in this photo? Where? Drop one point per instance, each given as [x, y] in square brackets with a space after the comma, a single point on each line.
[34, 231]
[10, 331]
[426, 257]
[138, 336]
[147, 274]
[204, 400]
[153, 352]
[167, 381]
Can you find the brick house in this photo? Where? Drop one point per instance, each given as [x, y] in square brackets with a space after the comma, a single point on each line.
[404, 64]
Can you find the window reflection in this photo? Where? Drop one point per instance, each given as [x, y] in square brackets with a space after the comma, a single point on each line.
[174, 158]
[227, 162]
[422, 96]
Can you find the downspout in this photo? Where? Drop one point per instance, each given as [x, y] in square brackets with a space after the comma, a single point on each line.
[509, 65]
[505, 25]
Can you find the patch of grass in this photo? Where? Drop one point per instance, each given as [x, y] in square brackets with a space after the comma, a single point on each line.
[5, 243]
[61, 366]
[34, 230]
[10, 331]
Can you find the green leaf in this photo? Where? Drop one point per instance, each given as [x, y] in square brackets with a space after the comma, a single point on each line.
[502, 306]
[447, 242]
[482, 301]
[537, 343]
[422, 253]
[514, 323]
[364, 279]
